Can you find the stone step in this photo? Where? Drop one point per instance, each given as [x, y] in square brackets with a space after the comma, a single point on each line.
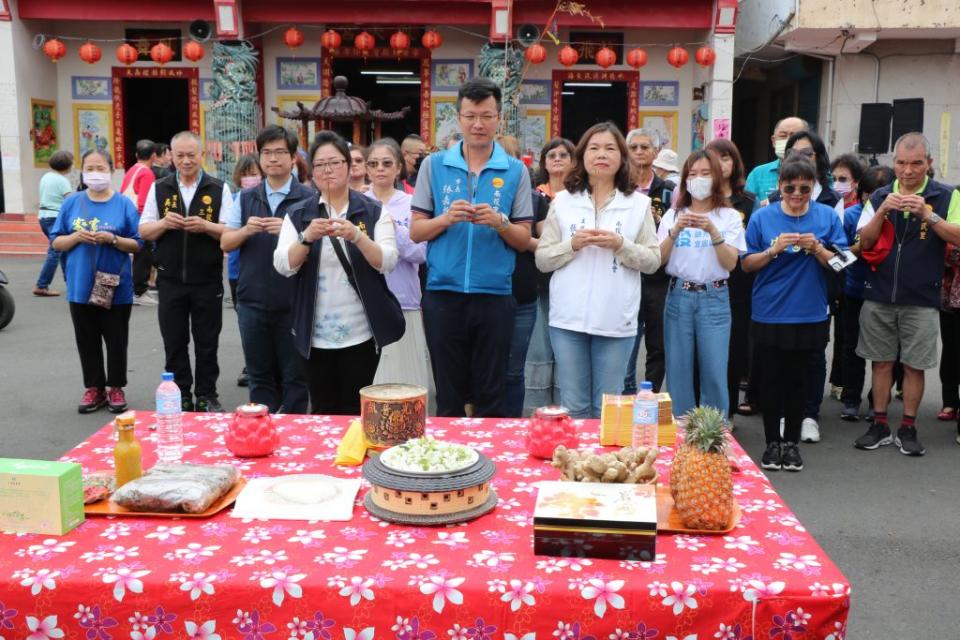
[21, 237]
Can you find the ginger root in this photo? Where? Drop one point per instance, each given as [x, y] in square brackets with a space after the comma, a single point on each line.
[628, 465]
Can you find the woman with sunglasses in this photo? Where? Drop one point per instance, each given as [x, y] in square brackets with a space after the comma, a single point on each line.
[405, 360]
[337, 247]
[556, 160]
[787, 248]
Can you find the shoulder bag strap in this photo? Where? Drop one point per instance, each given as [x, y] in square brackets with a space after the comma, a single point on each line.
[341, 256]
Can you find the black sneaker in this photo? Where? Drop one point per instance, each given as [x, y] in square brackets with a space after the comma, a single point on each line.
[791, 457]
[209, 404]
[771, 459]
[243, 380]
[186, 404]
[908, 442]
[850, 413]
[877, 435]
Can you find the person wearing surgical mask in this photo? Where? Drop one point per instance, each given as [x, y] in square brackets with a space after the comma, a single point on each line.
[847, 171]
[97, 230]
[700, 243]
[763, 179]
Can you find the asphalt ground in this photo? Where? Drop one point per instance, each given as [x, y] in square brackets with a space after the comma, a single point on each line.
[891, 523]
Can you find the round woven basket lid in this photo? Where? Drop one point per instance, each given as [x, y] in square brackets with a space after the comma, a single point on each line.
[436, 520]
[376, 473]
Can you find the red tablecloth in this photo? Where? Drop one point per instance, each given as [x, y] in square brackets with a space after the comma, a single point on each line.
[227, 578]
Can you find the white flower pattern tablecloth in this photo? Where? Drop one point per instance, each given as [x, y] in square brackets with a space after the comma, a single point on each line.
[224, 578]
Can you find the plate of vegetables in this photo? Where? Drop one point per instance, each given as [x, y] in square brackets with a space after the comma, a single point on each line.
[427, 456]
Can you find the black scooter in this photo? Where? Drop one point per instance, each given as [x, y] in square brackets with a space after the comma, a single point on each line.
[7, 307]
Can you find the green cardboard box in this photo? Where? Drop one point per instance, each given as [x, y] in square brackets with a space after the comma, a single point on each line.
[40, 496]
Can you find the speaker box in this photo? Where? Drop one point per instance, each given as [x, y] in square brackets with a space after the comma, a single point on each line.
[875, 127]
[200, 30]
[907, 117]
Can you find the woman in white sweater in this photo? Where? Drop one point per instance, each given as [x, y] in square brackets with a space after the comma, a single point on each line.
[597, 239]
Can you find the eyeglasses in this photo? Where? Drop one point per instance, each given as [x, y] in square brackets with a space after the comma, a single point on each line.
[332, 165]
[483, 118]
[386, 164]
[274, 153]
[357, 160]
[561, 155]
[804, 189]
[839, 178]
[641, 147]
[806, 153]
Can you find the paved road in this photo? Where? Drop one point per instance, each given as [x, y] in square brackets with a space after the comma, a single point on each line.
[889, 522]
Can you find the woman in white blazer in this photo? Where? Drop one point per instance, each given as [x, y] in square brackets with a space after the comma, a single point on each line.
[598, 237]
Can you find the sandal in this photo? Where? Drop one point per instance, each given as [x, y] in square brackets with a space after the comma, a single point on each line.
[947, 414]
[746, 409]
[45, 293]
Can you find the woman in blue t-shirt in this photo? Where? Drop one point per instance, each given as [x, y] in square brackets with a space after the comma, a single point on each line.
[787, 248]
[96, 230]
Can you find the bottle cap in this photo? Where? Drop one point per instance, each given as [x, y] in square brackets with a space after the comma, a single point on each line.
[646, 385]
[166, 376]
[126, 420]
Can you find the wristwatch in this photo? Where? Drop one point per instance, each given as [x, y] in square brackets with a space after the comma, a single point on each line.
[504, 222]
[933, 220]
[303, 240]
[114, 241]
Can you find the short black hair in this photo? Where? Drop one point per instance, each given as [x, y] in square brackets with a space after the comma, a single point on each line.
[274, 132]
[798, 168]
[874, 178]
[162, 148]
[98, 152]
[820, 149]
[60, 160]
[144, 149]
[851, 162]
[478, 90]
[332, 138]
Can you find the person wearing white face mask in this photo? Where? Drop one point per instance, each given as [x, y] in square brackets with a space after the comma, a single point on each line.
[764, 178]
[700, 242]
[97, 230]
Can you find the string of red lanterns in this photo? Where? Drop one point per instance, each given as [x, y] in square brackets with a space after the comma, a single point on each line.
[90, 53]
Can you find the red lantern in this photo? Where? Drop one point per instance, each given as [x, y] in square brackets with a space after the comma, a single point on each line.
[330, 40]
[399, 41]
[90, 53]
[161, 53]
[678, 57]
[535, 53]
[606, 57]
[705, 56]
[365, 42]
[431, 39]
[54, 49]
[127, 54]
[568, 56]
[193, 51]
[637, 58]
[293, 37]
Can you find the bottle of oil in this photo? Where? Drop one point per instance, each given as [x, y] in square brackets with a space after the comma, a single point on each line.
[127, 454]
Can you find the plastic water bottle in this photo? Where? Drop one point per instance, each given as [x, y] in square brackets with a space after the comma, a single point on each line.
[169, 420]
[645, 416]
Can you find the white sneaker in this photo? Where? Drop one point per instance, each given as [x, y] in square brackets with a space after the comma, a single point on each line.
[145, 300]
[809, 430]
[783, 427]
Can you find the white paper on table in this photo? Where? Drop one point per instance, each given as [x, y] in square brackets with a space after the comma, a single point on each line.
[305, 496]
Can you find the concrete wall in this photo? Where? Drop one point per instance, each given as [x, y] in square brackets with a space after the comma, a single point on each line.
[758, 20]
[877, 14]
[908, 69]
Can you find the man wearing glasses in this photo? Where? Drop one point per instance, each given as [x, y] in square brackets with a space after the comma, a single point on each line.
[473, 205]
[263, 295]
[183, 213]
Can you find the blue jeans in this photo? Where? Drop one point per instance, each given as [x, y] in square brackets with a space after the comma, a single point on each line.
[697, 321]
[588, 366]
[523, 323]
[274, 376]
[49, 268]
[630, 380]
[541, 381]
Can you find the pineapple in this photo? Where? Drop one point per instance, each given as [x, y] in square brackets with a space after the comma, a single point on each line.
[703, 492]
[676, 471]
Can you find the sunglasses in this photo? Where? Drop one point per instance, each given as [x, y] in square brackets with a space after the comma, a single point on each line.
[386, 164]
[804, 189]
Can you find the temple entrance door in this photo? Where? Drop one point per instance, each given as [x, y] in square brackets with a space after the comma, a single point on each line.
[580, 99]
[387, 85]
[156, 109]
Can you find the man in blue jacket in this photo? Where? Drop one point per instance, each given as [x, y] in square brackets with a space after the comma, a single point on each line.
[902, 290]
[263, 295]
[473, 205]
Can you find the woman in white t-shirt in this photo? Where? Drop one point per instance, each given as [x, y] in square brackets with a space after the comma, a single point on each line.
[700, 242]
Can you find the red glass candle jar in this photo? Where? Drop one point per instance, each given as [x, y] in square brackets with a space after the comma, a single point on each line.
[252, 433]
[550, 427]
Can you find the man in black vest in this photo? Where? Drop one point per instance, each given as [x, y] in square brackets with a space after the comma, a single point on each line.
[916, 216]
[263, 295]
[183, 215]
